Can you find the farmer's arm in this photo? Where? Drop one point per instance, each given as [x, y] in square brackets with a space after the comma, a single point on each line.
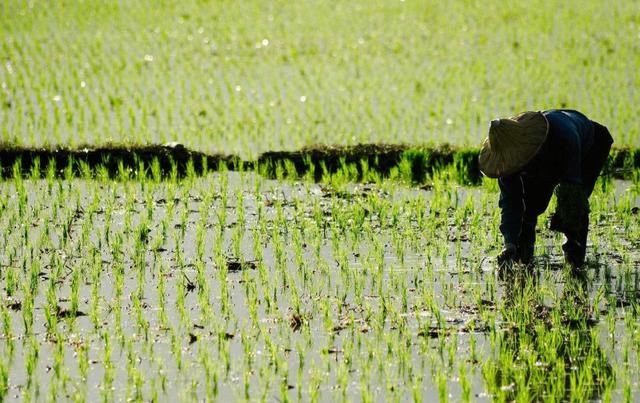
[575, 136]
[574, 132]
[573, 153]
[512, 208]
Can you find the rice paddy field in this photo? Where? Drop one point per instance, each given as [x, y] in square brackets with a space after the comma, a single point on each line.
[362, 277]
[248, 77]
[232, 287]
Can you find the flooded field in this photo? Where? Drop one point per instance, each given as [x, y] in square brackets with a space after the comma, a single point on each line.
[233, 287]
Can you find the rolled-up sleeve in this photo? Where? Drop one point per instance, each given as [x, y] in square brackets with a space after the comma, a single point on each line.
[512, 207]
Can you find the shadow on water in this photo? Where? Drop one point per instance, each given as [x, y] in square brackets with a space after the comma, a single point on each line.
[548, 353]
[360, 162]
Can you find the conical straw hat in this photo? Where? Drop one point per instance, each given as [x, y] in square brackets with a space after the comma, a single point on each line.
[512, 143]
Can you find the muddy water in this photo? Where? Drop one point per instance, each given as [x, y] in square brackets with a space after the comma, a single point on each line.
[306, 290]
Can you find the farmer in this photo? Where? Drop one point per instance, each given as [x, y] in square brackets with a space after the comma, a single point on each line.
[532, 154]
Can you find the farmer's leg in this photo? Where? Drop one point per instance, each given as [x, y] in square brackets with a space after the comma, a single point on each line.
[576, 246]
[536, 199]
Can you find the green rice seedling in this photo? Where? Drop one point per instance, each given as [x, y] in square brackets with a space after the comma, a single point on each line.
[204, 293]
[141, 321]
[75, 291]
[443, 394]
[135, 376]
[181, 290]
[280, 171]
[290, 170]
[68, 172]
[4, 379]
[116, 306]
[210, 374]
[10, 281]
[85, 170]
[162, 299]
[404, 171]
[101, 173]
[309, 169]
[82, 351]
[59, 369]
[96, 271]
[34, 172]
[124, 174]
[156, 170]
[236, 241]
[7, 333]
[173, 170]
[29, 291]
[51, 308]
[108, 367]
[32, 347]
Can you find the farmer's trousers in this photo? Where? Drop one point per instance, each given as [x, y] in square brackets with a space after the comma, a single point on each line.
[538, 190]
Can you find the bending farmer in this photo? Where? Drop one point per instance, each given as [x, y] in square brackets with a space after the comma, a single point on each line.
[533, 154]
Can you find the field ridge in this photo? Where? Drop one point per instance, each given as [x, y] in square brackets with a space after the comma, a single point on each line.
[173, 160]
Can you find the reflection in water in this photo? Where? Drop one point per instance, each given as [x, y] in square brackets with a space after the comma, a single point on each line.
[547, 353]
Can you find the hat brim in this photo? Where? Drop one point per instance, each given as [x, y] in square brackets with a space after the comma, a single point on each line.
[514, 147]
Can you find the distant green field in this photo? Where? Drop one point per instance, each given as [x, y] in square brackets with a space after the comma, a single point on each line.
[251, 76]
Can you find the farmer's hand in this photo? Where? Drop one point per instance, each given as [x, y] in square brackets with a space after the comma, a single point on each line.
[507, 256]
[555, 223]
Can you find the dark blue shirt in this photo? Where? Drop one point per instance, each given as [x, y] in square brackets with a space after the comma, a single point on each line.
[525, 194]
[574, 131]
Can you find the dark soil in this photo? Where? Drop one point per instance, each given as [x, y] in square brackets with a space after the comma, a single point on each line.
[174, 161]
